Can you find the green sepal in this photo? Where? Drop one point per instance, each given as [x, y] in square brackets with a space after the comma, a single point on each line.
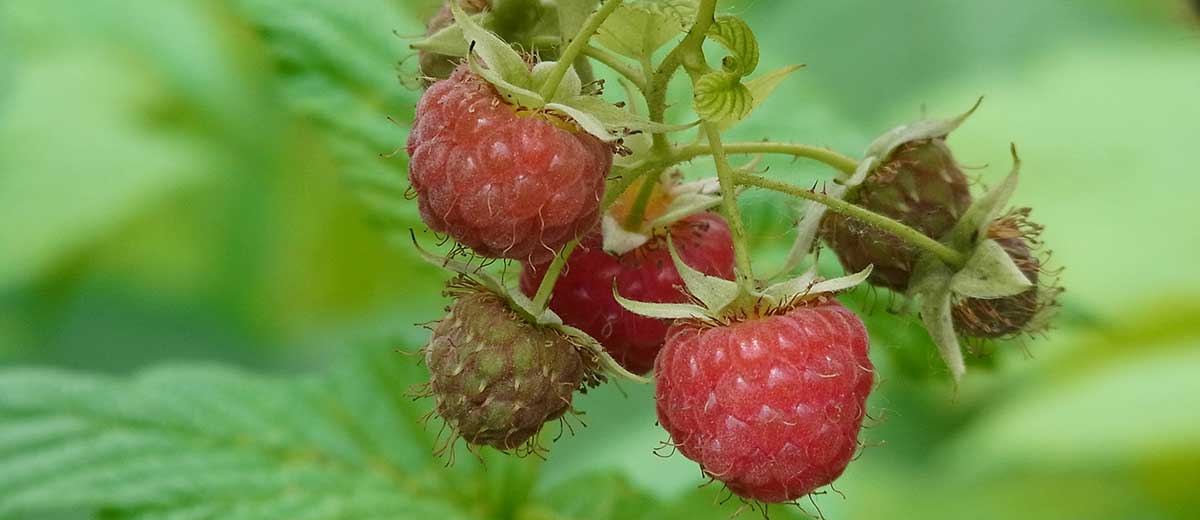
[607, 121]
[449, 41]
[990, 272]
[931, 282]
[978, 218]
[714, 292]
[512, 93]
[666, 311]
[885, 144]
[508, 71]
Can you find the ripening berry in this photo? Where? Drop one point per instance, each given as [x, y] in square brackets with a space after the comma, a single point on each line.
[496, 378]
[583, 295]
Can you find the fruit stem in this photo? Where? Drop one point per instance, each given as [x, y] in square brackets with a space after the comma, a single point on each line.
[575, 48]
[905, 233]
[542, 299]
[618, 65]
[637, 213]
[656, 88]
[728, 179]
[835, 160]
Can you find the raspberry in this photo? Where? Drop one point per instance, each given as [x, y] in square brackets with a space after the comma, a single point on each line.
[505, 182]
[497, 378]
[583, 294]
[920, 185]
[439, 66]
[772, 406]
[1011, 315]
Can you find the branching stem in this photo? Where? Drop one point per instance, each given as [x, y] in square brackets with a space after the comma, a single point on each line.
[905, 233]
[576, 47]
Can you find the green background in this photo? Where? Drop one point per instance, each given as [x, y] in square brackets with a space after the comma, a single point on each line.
[194, 182]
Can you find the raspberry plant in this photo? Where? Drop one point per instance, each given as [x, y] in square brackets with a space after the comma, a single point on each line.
[517, 153]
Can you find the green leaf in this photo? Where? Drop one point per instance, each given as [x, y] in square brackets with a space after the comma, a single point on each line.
[179, 441]
[989, 273]
[496, 53]
[637, 29]
[721, 97]
[735, 34]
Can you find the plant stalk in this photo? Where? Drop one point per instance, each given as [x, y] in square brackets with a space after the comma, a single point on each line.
[576, 47]
[905, 233]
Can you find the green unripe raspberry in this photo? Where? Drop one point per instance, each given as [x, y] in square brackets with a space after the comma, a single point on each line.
[497, 378]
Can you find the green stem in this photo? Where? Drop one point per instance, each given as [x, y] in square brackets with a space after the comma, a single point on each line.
[833, 159]
[728, 180]
[617, 64]
[637, 214]
[575, 48]
[905, 233]
[656, 91]
[542, 299]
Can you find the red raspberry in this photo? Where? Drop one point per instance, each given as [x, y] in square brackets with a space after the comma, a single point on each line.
[583, 294]
[505, 182]
[771, 407]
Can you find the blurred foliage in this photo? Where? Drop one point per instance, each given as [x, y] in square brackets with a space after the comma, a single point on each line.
[204, 181]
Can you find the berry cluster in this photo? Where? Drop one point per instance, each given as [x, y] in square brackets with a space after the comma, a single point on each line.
[628, 270]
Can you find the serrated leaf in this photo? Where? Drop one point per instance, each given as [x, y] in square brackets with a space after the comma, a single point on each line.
[990, 272]
[715, 292]
[497, 54]
[735, 34]
[978, 218]
[721, 97]
[884, 145]
[810, 219]
[618, 119]
[176, 440]
[567, 89]
[636, 30]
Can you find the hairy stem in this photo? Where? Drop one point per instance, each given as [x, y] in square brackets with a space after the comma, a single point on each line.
[728, 180]
[575, 48]
[618, 65]
[905, 233]
[542, 299]
[835, 160]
